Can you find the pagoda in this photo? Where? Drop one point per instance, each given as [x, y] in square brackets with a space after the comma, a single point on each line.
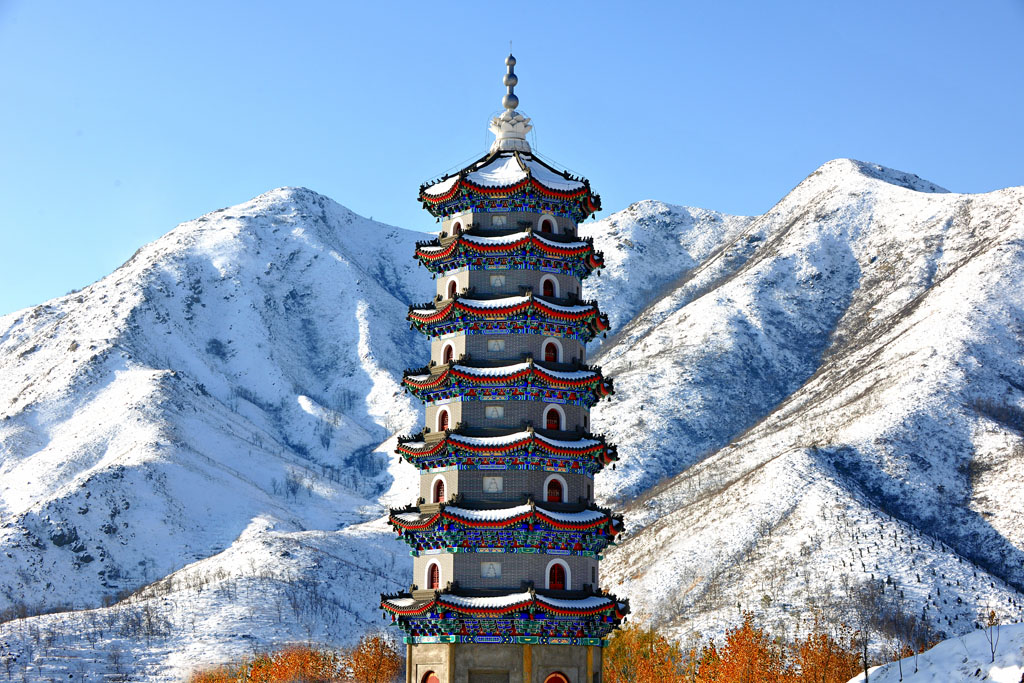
[505, 537]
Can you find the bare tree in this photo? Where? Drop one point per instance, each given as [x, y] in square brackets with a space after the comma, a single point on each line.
[991, 631]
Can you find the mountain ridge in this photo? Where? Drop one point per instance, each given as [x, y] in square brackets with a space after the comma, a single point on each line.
[253, 373]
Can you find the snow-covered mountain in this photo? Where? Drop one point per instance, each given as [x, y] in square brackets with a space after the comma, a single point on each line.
[835, 396]
[827, 394]
[217, 400]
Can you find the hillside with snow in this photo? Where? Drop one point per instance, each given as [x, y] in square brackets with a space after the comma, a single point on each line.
[820, 398]
[995, 655]
[841, 404]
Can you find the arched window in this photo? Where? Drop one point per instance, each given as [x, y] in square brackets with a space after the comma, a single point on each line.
[556, 577]
[453, 289]
[554, 678]
[442, 420]
[431, 677]
[554, 492]
[551, 352]
[553, 418]
[439, 491]
[449, 354]
[548, 286]
[433, 576]
[547, 224]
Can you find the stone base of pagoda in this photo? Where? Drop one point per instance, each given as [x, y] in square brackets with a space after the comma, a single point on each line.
[512, 663]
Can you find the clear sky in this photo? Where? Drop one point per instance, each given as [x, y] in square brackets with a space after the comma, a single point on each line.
[119, 120]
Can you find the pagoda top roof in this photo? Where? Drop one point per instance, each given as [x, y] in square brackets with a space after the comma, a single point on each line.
[507, 170]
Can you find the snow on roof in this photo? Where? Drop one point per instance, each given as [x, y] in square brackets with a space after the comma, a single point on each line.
[493, 372]
[514, 437]
[402, 602]
[546, 177]
[495, 303]
[408, 516]
[488, 515]
[509, 513]
[490, 440]
[518, 367]
[424, 311]
[504, 170]
[575, 517]
[578, 603]
[578, 443]
[496, 601]
[441, 187]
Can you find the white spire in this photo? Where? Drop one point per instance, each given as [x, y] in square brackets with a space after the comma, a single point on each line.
[511, 127]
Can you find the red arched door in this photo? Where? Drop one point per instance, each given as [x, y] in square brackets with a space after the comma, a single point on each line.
[439, 491]
[556, 577]
[553, 420]
[546, 225]
[433, 577]
[453, 289]
[551, 352]
[442, 421]
[548, 288]
[556, 678]
[554, 492]
[449, 354]
[431, 677]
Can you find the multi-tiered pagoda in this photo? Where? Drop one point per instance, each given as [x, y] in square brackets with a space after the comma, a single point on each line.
[506, 537]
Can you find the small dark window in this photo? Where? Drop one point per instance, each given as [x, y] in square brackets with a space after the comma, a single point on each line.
[556, 580]
[554, 491]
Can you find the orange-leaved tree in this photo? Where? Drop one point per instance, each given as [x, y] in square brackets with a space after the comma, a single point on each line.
[820, 658]
[290, 665]
[642, 655]
[749, 655]
[374, 660]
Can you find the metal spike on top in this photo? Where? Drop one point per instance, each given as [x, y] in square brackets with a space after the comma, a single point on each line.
[510, 101]
[510, 127]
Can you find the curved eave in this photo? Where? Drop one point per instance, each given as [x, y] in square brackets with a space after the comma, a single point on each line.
[403, 605]
[448, 514]
[530, 442]
[592, 316]
[432, 252]
[536, 375]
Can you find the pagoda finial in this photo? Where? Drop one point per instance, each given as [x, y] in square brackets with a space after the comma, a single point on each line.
[510, 101]
[511, 127]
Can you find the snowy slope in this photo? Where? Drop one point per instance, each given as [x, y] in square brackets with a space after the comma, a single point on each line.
[242, 367]
[824, 396]
[840, 405]
[961, 659]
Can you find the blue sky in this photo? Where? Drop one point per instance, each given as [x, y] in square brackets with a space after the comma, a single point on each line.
[119, 120]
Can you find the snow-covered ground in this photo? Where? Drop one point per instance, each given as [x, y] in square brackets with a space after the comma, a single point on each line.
[824, 397]
[961, 659]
